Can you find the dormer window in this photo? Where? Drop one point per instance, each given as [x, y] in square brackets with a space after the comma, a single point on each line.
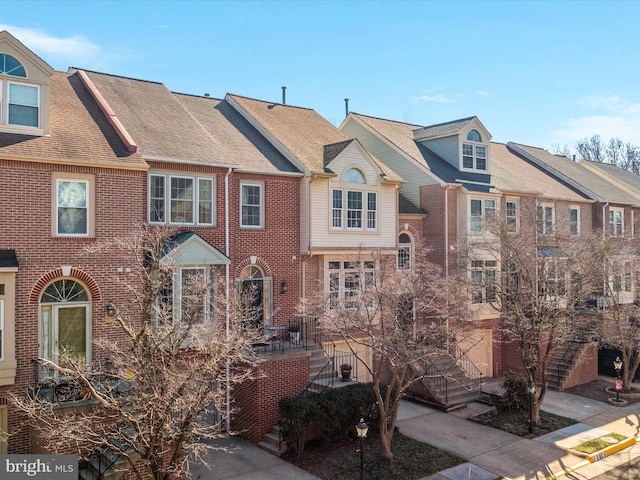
[474, 157]
[474, 136]
[19, 101]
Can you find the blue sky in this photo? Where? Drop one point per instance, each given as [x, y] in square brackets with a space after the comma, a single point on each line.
[539, 73]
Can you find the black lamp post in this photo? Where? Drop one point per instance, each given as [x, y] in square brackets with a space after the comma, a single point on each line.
[617, 364]
[361, 429]
[531, 388]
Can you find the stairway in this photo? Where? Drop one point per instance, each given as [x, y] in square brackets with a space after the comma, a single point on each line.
[107, 465]
[446, 382]
[322, 375]
[562, 363]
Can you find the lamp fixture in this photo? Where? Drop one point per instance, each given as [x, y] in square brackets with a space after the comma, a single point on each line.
[111, 310]
[362, 428]
[284, 286]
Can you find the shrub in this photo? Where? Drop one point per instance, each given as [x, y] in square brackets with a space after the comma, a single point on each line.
[335, 412]
[515, 396]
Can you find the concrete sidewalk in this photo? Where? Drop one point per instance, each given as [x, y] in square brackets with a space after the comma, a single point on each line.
[490, 454]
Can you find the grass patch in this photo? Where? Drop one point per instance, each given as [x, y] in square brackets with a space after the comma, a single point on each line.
[597, 444]
[341, 460]
[517, 423]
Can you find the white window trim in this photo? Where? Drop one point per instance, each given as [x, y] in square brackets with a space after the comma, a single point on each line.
[483, 216]
[483, 269]
[364, 212]
[611, 225]
[195, 200]
[578, 223]
[335, 210]
[89, 207]
[342, 273]
[517, 215]
[2, 332]
[543, 229]
[6, 105]
[409, 247]
[262, 207]
[474, 157]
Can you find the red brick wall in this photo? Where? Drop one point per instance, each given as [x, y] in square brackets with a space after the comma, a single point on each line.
[26, 220]
[255, 402]
[586, 369]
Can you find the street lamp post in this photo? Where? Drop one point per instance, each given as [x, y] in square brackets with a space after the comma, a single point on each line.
[531, 388]
[617, 364]
[361, 429]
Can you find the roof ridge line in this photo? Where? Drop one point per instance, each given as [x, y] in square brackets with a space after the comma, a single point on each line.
[108, 111]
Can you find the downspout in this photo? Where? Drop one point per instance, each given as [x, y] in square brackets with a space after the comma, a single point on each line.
[604, 224]
[446, 230]
[604, 237]
[227, 292]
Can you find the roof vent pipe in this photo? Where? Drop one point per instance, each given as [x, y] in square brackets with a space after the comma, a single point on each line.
[284, 95]
[207, 95]
[346, 107]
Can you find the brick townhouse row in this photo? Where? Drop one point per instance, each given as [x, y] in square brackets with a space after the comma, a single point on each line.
[270, 193]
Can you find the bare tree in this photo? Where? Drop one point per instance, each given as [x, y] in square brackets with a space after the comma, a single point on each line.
[619, 327]
[563, 150]
[592, 149]
[394, 321]
[545, 277]
[155, 390]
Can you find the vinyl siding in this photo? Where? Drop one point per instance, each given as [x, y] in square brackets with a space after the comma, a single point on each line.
[413, 175]
[447, 148]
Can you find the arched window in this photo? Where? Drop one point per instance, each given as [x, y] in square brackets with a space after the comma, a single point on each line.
[11, 66]
[65, 328]
[354, 176]
[474, 136]
[404, 251]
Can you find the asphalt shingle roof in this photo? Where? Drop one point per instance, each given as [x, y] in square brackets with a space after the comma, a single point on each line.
[79, 131]
[599, 188]
[302, 132]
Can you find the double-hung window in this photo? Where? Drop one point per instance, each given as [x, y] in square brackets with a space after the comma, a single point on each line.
[361, 210]
[251, 205]
[72, 206]
[336, 209]
[354, 208]
[546, 219]
[616, 222]
[481, 211]
[574, 221]
[404, 252]
[483, 281]
[474, 157]
[512, 216]
[19, 100]
[179, 199]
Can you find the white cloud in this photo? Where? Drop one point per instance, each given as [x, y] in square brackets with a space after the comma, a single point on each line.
[484, 93]
[59, 52]
[610, 116]
[432, 95]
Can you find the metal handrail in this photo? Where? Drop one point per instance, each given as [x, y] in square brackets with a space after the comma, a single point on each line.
[467, 365]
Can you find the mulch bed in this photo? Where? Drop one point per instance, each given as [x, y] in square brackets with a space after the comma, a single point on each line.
[596, 391]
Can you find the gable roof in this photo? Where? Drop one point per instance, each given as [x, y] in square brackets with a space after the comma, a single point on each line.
[518, 175]
[180, 128]
[188, 248]
[448, 129]
[576, 176]
[623, 178]
[299, 132]
[79, 133]
[401, 137]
